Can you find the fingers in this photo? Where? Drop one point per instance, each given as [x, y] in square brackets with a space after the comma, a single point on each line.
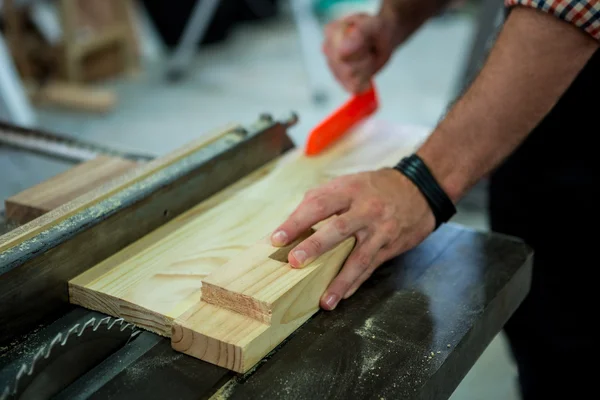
[358, 265]
[377, 261]
[326, 238]
[349, 50]
[353, 76]
[313, 209]
[352, 44]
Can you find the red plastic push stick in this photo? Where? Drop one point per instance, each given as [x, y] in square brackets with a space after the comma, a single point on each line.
[339, 123]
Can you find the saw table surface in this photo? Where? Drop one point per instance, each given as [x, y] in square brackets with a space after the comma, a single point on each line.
[412, 331]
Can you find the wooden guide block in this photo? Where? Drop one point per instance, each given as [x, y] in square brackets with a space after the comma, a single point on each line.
[253, 282]
[252, 303]
[62, 188]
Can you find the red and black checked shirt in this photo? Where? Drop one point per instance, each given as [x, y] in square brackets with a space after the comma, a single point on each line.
[585, 14]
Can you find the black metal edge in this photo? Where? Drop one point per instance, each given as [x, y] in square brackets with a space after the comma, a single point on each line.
[92, 381]
[448, 377]
[209, 155]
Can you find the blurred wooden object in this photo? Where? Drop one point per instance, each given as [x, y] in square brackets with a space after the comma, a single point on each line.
[14, 31]
[91, 40]
[73, 96]
[54, 192]
[98, 39]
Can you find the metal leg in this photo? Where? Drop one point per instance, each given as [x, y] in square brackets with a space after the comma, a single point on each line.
[14, 103]
[310, 37]
[194, 31]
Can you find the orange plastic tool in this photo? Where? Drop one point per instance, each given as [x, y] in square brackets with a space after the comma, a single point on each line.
[339, 123]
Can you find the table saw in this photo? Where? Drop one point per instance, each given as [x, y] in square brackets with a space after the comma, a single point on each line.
[93, 290]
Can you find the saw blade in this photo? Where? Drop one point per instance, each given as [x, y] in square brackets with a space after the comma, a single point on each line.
[67, 356]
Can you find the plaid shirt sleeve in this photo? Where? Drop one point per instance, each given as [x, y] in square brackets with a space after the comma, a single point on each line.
[585, 14]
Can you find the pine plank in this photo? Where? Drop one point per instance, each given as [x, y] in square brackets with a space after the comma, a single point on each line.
[264, 300]
[62, 188]
[158, 279]
[255, 282]
[54, 217]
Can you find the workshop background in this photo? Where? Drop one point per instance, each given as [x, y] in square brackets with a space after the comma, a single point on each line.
[149, 76]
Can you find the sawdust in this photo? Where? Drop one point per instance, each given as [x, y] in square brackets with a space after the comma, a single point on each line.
[226, 390]
[372, 352]
[25, 346]
[369, 361]
[368, 329]
[139, 370]
[287, 389]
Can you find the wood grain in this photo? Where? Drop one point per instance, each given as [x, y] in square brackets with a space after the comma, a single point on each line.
[223, 330]
[451, 295]
[153, 311]
[54, 217]
[255, 282]
[35, 270]
[162, 273]
[62, 188]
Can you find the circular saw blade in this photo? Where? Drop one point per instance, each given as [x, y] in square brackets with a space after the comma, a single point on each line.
[67, 356]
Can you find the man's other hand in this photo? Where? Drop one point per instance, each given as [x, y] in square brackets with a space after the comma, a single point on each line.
[357, 47]
[383, 210]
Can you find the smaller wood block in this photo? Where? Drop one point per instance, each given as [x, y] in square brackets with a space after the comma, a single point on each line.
[56, 191]
[255, 282]
[253, 303]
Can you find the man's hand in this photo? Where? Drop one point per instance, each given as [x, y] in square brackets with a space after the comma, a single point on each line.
[357, 47]
[383, 210]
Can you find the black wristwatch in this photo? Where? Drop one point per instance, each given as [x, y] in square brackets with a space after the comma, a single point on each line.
[414, 168]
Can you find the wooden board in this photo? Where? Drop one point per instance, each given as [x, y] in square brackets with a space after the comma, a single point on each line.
[251, 304]
[60, 189]
[38, 259]
[54, 217]
[255, 282]
[158, 279]
[450, 296]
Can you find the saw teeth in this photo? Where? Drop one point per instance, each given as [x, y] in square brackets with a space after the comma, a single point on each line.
[23, 371]
[71, 331]
[61, 339]
[120, 321]
[105, 320]
[89, 322]
[57, 339]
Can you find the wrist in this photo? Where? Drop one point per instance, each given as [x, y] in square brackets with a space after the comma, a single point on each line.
[449, 175]
[406, 16]
[416, 170]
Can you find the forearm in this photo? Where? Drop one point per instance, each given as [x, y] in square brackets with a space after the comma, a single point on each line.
[409, 15]
[534, 60]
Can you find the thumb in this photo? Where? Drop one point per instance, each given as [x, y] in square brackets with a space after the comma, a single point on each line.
[351, 43]
[356, 38]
